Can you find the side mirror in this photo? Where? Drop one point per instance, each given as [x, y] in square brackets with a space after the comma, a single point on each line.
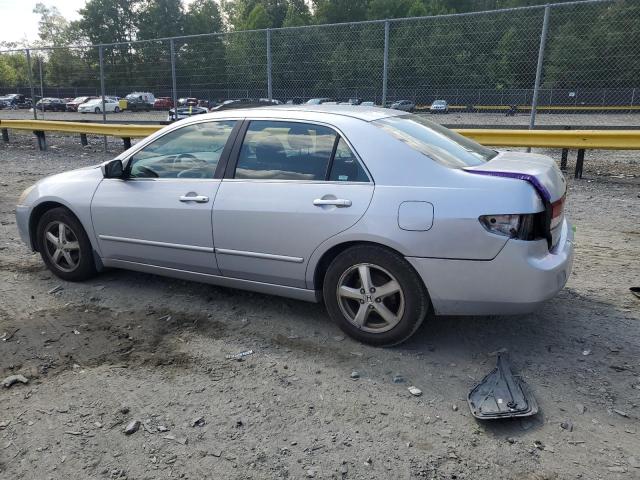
[113, 169]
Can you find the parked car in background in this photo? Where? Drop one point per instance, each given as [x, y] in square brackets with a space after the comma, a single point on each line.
[51, 104]
[295, 101]
[439, 106]
[95, 106]
[163, 103]
[185, 112]
[319, 101]
[17, 101]
[384, 215]
[72, 106]
[137, 101]
[244, 103]
[368, 104]
[188, 102]
[404, 105]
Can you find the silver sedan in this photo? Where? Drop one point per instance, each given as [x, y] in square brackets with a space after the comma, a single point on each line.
[381, 214]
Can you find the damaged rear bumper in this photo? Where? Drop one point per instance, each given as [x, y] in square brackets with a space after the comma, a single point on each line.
[520, 278]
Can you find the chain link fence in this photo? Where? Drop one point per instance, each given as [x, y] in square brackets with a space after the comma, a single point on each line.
[571, 57]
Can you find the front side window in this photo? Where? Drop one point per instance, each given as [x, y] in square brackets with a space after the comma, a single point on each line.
[285, 151]
[192, 151]
[435, 141]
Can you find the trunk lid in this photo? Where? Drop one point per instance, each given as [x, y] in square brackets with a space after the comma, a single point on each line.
[542, 173]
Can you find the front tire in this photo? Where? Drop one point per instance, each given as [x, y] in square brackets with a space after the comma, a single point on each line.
[64, 246]
[374, 295]
[116, 110]
[97, 110]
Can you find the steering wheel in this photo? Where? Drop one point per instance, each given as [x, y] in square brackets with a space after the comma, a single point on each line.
[181, 156]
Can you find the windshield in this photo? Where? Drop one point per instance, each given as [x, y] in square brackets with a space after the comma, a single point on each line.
[435, 141]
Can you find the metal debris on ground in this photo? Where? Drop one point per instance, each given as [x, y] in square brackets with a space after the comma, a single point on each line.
[198, 422]
[55, 289]
[501, 395]
[235, 356]
[8, 336]
[635, 291]
[132, 427]
[415, 391]
[11, 379]
[397, 378]
[355, 375]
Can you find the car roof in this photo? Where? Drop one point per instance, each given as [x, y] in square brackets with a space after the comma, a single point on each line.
[367, 114]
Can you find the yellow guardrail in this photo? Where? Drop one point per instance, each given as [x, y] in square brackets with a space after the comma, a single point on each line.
[576, 139]
[114, 130]
[545, 108]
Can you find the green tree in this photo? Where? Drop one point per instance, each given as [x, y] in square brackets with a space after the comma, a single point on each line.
[203, 16]
[338, 11]
[298, 14]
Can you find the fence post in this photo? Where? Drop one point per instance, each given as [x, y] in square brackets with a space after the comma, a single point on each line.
[536, 87]
[269, 78]
[33, 98]
[173, 79]
[41, 83]
[385, 64]
[104, 113]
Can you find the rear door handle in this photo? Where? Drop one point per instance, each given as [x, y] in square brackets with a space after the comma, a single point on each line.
[194, 198]
[338, 202]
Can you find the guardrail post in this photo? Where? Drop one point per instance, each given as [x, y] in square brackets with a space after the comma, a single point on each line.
[33, 97]
[104, 113]
[42, 140]
[563, 159]
[385, 64]
[174, 97]
[83, 139]
[579, 164]
[127, 142]
[269, 78]
[536, 86]
[5, 135]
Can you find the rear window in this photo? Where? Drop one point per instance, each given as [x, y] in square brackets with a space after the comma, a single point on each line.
[435, 141]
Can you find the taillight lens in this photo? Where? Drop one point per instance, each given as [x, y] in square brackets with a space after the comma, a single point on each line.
[529, 226]
[557, 211]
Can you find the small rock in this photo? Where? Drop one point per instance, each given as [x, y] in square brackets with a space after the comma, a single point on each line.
[454, 407]
[355, 375]
[55, 289]
[586, 352]
[415, 391]
[397, 378]
[198, 422]
[567, 425]
[511, 440]
[344, 469]
[311, 473]
[621, 413]
[132, 427]
[11, 379]
[538, 444]
[162, 428]
[124, 409]
[617, 469]
[580, 408]
[338, 338]
[368, 462]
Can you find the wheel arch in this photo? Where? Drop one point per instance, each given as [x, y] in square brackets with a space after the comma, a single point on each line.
[36, 215]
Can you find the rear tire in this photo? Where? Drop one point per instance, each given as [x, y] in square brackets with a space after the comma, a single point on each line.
[64, 246]
[385, 313]
[97, 110]
[116, 110]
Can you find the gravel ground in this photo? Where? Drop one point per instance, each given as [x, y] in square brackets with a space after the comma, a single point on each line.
[127, 346]
[453, 118]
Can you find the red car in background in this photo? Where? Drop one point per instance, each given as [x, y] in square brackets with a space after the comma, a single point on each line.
[163, 103]
[188, 102]
[72, 106]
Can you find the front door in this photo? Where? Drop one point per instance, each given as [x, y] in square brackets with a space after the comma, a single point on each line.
[160, 212]
[290, 187]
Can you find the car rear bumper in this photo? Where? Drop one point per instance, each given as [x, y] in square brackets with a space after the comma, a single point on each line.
[22, 221]
[520, 278]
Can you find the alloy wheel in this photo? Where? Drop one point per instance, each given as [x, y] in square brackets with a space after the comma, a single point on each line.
[370, 298]
[62, 246]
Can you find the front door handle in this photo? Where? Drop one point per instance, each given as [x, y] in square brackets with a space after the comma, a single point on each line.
[338, 202]
[194, 198]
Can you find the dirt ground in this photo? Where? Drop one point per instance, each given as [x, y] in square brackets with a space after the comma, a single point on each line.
[127, 346]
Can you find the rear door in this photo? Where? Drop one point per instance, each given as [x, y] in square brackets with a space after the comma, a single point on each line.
[289, 186]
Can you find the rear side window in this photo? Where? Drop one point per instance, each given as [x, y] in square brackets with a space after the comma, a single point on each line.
[285, 151]
[435, 141]
[345, 167]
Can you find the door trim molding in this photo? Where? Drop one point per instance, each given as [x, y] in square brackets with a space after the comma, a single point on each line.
[152, 243]
[265, 256]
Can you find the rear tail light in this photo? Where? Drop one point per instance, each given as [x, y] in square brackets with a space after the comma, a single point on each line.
[529, 226]
[557, 211]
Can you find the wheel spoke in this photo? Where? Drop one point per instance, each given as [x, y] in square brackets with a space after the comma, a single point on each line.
[365, 277]
[51, 238]
[348, 292]
[362, 315]
[67, 257]
[62, 233]
[56, 255]
[387, 289]
[386, 314]
[72, 246]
